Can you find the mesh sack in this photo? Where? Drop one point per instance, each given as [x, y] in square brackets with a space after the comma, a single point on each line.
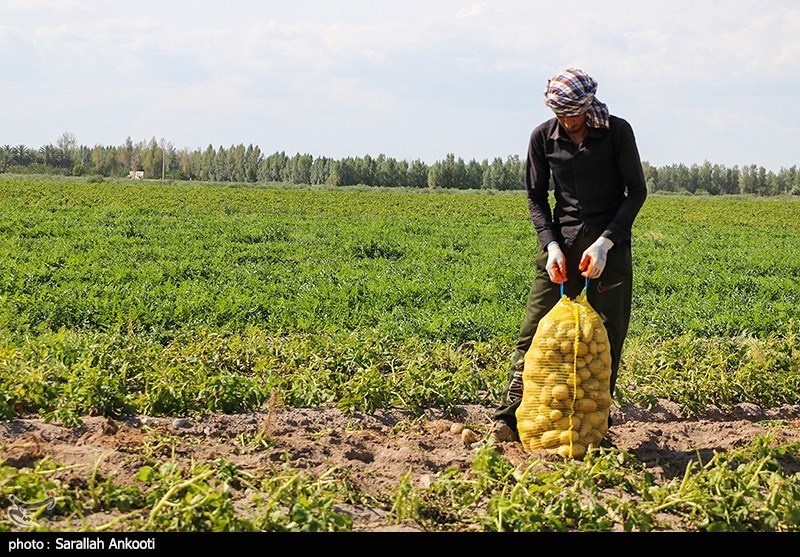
[566, 393]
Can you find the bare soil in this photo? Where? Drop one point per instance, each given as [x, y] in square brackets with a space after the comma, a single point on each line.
[377, 449]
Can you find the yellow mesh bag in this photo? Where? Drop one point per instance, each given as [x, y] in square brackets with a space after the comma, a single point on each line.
[566, 393]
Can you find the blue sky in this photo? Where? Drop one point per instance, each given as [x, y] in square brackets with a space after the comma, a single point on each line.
[698, 80]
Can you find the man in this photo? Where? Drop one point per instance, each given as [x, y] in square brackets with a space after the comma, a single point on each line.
[599, 189]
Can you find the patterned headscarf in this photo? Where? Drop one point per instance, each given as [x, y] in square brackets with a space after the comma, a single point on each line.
[571, 92]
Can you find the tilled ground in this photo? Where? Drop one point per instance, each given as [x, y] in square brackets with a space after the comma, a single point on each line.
[376, 449]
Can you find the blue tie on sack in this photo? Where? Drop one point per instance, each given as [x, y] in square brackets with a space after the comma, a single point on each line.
[585, 287]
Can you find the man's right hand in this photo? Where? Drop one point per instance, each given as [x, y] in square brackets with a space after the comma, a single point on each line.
[556, 263]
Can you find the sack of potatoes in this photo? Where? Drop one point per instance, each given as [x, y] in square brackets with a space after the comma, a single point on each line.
[566, 394]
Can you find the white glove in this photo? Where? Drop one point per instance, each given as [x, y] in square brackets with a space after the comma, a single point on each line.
[556, 263]
[593, 260]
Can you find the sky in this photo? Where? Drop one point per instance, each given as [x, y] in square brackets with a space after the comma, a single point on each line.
[416, 80]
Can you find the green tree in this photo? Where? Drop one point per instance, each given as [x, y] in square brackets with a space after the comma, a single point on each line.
[748, 179]
[390, 173]
[6, 157]
[299, 168]
[650, 176]
[68, 145]
[272, 168]
[515, 172]
[252, 161]
[366, 170]
[237, 162]
[704, 178]
[206, 170]
[417, 174]
[22, 155]
[152, 158]
[320, 170]
[473, 175]
[125, 155]
[448, 173]
[222, 165]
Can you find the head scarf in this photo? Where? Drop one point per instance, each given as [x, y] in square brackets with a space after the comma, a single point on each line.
[571, 92]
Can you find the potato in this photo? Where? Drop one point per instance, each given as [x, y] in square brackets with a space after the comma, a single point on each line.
[592, 384]
[600, 335]
[568, 436]
[563, 423]
[562, 405]
[549, 439]
[597, 418]
[565, 381]
[546, 328]
[586, 405]
[593, 438]
[566, 330]
[525, 425]
[560, 392]
[604, 374]
[543, 408]
[576, 422]
[553, 378]
[539, 343]
[575, 450]
[541, 423]
[603, 401]
[596, 365]
[530, 382]
[578, 450]
[587, 331]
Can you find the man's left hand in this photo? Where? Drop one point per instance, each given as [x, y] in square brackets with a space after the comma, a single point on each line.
[593, 260]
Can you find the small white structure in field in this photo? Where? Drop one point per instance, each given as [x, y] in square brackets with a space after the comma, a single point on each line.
[136, 174]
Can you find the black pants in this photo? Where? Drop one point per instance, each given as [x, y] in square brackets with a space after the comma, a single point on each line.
[609, 295]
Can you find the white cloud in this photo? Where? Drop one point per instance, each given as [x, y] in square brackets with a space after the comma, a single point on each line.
[416, 65]
[50, 6]
[473, 10]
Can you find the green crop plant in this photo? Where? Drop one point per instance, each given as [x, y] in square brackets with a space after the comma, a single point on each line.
[183, 299]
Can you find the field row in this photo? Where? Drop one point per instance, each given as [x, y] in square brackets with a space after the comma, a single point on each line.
[183, 298]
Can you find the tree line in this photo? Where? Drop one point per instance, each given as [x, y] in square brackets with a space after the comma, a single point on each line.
[159, 159]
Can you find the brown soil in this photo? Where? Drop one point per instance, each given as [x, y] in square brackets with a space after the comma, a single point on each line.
[377, 449]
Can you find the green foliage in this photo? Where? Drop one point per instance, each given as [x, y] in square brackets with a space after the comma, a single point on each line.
[295, 502]
[168, 497]
[178, 300]
[36, 488]
[123, 298]
[740, 491]
[698, 372]
[744, 490]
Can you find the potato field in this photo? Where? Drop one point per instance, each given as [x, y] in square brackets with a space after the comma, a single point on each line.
[204, 357]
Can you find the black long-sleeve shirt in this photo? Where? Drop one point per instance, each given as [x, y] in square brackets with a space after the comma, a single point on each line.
[599, 185]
